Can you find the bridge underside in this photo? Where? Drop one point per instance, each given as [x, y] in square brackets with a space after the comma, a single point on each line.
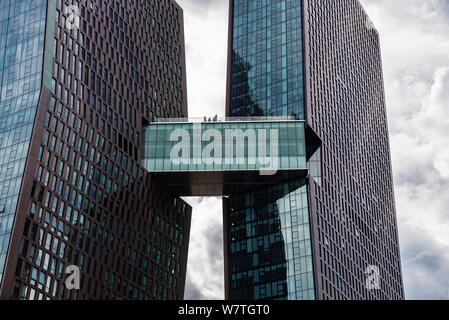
[223, 183]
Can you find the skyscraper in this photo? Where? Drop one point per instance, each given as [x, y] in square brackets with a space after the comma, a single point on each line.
[332, 235]
[79, 80]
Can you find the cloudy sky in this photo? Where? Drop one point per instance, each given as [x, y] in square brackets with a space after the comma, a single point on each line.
[415, 49]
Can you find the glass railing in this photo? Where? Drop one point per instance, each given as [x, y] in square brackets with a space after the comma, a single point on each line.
[226, 119]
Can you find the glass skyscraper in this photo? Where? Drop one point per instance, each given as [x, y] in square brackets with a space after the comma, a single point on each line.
[321, 236]
[87, 177]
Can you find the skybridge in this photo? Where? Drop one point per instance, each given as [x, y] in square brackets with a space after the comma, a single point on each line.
[217, 157]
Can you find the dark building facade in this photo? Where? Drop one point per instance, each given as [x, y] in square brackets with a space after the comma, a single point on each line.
[72, 107]
[319, 237]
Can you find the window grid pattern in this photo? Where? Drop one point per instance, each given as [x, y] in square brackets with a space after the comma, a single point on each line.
[267, 80]
[354, 211]
[267, 64]
[123, 67]
[270, 244]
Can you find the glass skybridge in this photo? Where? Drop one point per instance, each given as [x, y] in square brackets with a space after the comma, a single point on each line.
[212, 157]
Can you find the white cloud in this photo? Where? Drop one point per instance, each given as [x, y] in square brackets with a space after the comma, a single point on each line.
[205, 269]
[206, 31]
[436, 119]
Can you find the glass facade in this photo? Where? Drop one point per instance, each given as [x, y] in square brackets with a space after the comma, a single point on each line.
[224, 146]
[269, 253]
[267, 61]
[22, 26]
[269, 243]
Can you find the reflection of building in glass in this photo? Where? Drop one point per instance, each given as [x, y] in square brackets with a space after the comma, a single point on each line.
[267, 63]
[269, 244]
[242, 91]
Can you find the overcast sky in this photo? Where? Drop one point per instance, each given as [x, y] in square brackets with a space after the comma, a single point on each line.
[415, 49]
